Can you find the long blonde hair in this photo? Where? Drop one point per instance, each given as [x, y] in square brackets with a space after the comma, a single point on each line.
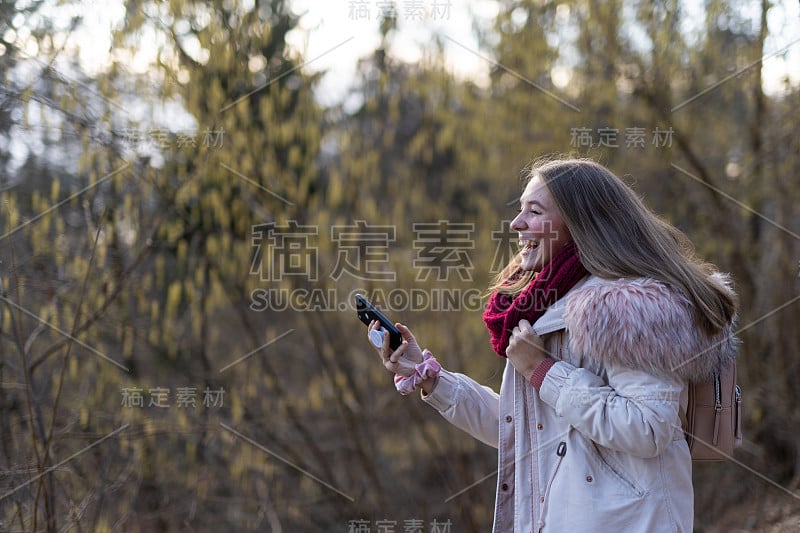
[619, 237]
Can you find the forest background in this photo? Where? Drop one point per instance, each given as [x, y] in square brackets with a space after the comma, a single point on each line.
[180, 245]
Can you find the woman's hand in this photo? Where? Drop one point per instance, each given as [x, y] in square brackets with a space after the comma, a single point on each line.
[404, 359]
[525, 349]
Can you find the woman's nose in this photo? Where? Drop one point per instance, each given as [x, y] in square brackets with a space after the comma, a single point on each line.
[518, 224]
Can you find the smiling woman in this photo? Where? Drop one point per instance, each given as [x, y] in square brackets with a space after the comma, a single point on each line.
[605, 317]
[542, 231]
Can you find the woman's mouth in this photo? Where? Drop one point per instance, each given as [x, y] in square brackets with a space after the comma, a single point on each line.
[527, 246]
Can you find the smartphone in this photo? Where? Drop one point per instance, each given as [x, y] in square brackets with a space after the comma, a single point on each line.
[367, 313]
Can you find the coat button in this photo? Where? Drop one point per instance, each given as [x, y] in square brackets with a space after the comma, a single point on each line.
[589, 479]
[541, 499]
[504, 486]
[539, 426]
[508, 418]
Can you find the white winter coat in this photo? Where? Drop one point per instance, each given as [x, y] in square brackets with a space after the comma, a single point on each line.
[600, 446]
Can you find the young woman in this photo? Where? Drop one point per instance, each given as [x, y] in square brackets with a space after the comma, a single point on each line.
[605, 315]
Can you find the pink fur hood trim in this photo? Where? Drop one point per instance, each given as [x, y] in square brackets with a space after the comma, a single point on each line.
[644, 324]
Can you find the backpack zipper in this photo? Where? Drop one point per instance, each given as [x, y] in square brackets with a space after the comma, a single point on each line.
[738, 426]
[717, 406]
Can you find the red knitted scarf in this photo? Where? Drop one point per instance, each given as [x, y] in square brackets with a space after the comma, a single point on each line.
[503, 312]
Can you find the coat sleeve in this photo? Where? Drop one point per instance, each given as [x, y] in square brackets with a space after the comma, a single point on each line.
[467, 405]
[634, 412]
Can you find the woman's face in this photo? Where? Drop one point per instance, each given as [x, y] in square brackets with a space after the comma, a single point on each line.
[542, 233]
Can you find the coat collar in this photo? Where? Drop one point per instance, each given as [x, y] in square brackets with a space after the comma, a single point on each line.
[553, 319]
[643, 324]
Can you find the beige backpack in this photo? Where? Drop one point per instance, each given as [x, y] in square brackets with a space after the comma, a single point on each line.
[713, 419]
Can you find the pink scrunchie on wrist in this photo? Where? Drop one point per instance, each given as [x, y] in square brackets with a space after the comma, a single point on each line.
[428, 368]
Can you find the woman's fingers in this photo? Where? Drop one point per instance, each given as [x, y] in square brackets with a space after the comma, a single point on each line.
[382, 349]
[393, 360]
[395, 356]
[404, 331]
[385, 351]
[523, 332]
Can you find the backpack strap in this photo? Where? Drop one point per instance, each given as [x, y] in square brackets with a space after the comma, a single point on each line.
[684, 421]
